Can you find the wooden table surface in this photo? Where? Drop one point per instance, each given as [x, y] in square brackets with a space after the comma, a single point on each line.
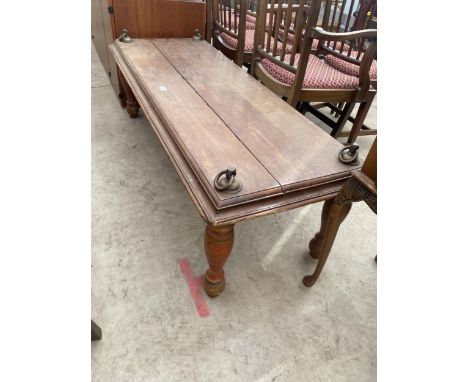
[216, 115]
[210, 114]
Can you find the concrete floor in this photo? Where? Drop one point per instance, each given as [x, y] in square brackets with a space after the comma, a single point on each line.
[266, 326]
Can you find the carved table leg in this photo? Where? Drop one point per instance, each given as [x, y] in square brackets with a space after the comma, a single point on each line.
[218, 245]
[322, 243]
[315, 244]
[333, 213]
[132, 104]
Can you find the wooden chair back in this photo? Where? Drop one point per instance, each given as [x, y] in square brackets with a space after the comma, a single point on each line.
[279, 29]
[358, 47]
[229, 16]
[354, 47]
[346, 15]
[342, 15]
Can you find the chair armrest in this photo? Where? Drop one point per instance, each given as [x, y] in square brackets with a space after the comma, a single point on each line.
[366, 181]
[321, 34]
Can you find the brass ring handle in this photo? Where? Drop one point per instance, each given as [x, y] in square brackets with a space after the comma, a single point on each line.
[124, 37]
[229, 183]
[230, 175]
[197, 36]
[349, 154]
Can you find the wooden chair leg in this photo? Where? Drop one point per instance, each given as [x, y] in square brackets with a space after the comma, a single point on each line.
[359, 121]
[345, 113]
[96, 332]
[340, 106]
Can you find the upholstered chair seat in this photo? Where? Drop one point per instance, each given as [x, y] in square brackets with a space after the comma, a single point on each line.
[249, 42]
[336, 62]
[348, 67]
[319, 75]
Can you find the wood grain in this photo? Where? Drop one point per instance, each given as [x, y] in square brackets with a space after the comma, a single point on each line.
[159, 18]
[202, 136]
[294, 150]
[194, 136]
[219, 241]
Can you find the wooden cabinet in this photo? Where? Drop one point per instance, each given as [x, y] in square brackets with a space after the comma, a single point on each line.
[142, 19]
[102, 35]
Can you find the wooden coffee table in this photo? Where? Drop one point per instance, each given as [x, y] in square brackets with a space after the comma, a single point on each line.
[211, 116]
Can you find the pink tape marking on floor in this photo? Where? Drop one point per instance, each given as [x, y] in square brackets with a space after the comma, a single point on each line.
[195, 286]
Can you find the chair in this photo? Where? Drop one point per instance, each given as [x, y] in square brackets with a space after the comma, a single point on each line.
[327, 67]
[234, 29]
[230, 30]
[364, 14]
[210, 16]
[362, 186]
[346, 16]
[335, 16]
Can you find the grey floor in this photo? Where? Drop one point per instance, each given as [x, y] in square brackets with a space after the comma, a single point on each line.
[266, 326]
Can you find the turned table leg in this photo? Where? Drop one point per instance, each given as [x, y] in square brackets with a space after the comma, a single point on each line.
[132, 104]
[218, 245]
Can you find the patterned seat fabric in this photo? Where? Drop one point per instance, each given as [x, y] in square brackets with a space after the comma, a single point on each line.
[334, 45]
[249, 21]
[319, 75]
[337, 63]
[289, 36]
[249, 42]
[290, 41]
[348, 67]
[248, 25]
[252, 19]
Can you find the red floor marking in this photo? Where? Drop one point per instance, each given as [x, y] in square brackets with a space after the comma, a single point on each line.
[195, 286]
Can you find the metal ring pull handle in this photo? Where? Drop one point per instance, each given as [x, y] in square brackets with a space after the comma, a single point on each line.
[197, 36]
[124, 37]
[349, 155]
[229, 183]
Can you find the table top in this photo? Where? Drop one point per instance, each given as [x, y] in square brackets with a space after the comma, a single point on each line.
[209, 114]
